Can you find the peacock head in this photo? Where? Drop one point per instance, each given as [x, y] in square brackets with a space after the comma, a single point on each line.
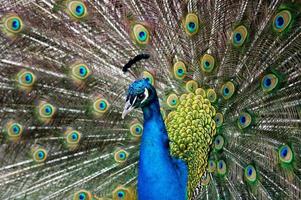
[140, 94]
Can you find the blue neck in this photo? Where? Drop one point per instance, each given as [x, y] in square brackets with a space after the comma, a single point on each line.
[159, 176]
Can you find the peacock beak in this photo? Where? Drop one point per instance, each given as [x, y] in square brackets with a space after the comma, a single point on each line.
[128, 107]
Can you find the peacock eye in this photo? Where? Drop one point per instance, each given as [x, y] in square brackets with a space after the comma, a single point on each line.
[211, 95]
[149, 77]
[250, 173]
[282, 20]
[244, 120]
[39, 154]
[77, 9]
[121, 156]
[191, 86]
[285, 154]
[140, 34]
[219, 142]
[221, 167]
[269, 82]
[82, 195]
[211, 166]
[219, 119]
[239, 36]
[136, 129]
[13, 24]
[141, 96]
[207, 63]
[172, 101]
[179, 70]
[191, 24]
[227, 90]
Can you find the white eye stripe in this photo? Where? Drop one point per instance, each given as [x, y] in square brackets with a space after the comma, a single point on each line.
[134, 100]
[145, 95]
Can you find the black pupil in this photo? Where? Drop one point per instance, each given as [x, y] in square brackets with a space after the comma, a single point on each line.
[238, 36]
[243, 119]
[140, 96]
[191, 25]
[280, 21]
[226, 90]
[268, 82]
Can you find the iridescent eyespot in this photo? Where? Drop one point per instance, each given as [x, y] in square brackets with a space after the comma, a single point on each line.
[211, 95]
[149, 77]
[163, 113]
[13, 130]
[136, 129]
[123, 193]
[239, 36]
[101, 106]
[219, 142]
[179, 70]
[77, 9]
[191, 86]
[221, 167]
[72, 137]
[172, 101]
[205, 179]
[12, 24]
[39, 154]
[140, 34]
[269, 82]
[121, 156]
[191, 24]
[227, 90]
[45, 111]
[282, 20]
[207, 63]
[211, 166]
[285, 154]
[25, 79]
[219, 119]
[82, 195]
[201, 91]
[80, 71]
[250, 173]
[244, 120]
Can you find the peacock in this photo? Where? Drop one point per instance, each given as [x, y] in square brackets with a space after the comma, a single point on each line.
[150, 100]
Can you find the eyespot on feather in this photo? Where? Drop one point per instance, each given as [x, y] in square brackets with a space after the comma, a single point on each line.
[45, 111]
[140, 34]
[191, 86]
[285, 154]
[239, 36]
[76, 9]
[207, 63]
[13, 130]
[244, 120]
[191, 24]
[172, 101]
[282, 20]
[149, 77]
[227, 90]
[179, 70]
[250, 173]
[121, 155]
[39, 154]
[82, 195]
[12, 24]
[269, 82]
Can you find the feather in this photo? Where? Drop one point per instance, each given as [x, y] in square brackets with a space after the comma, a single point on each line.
[222, 79]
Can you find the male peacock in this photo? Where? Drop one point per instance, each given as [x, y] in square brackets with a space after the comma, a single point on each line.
[220, 96]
